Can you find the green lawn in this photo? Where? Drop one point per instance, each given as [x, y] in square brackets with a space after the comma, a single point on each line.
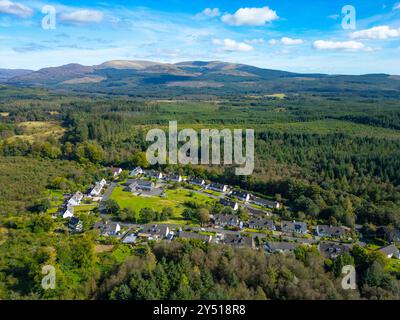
[174, 198]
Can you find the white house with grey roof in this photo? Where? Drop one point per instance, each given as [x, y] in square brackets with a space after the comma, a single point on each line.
[241, 195]
[218, 187]
[96, 191]
[330, 231]
[266, 203]
[76, 199]
[280, 247]
[197, 182]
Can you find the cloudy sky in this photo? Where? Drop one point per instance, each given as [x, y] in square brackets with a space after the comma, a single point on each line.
[277, 34]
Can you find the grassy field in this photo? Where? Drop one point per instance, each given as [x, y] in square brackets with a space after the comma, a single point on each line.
[39, 130]
[174, 198]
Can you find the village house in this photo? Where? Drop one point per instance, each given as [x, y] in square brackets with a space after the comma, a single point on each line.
[293, 227]
[175, 178]
[194, 235]
[231, 204]
[261, 223]
[266, 203]
[390, 251]
[108, 228]
[332, 250]
[154, 232]
[136, 172]
[237, 240]
[218, 187]
[280, 247]
[129, 239]
[75, 200]
[67, 212]
[116, 171]
[330, 231]
[391, 235]
[133, 185]
[75, 225]
[241, 195]
[225, 220]
[96, 191]
[154, 174]
[197, 182]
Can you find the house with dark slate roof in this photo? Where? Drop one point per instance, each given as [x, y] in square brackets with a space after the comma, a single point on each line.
[330, 231]
[280, 247]
[154, 232]
[293, 227]
[332, 250]
[237, 240]
[266, 203]
[231, 204]
[75, 225]
[241, 195]
[197, 182]
[225, 220]
[390, 251]
[218, 187]
[261, 224]
[391, 235]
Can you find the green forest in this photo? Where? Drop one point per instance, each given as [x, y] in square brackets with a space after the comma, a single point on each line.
[333, 159]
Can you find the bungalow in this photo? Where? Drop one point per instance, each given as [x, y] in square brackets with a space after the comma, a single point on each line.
[293, 227]
[175, 178]
[197, 182]
[193, 235]
[75, 225]
[241, 195]
[154, 174]
[116, 171]
[280, 247]
[225, 220]
[261, 223]
[391, 235]
[68, 212]
[330, 231]
[238, 240]
[137, 171]
[96, 191]
[111, 229]
[108, 229]
[218, 187]
[154, 232]
[266, 203]
[227, 203]
[390, 251]
[332, 250]
[131, 238]
[133, 185]
[76, 199]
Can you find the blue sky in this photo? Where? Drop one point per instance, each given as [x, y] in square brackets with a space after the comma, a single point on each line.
[277, 34]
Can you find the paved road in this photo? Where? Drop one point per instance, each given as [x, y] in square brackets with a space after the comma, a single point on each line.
[107, 195]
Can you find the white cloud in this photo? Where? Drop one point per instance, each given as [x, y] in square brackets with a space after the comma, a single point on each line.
[250, 17]
[15, 8]
[340, 45]
[82, 16]
[232, 45]
[255, 41]
[290, 42]
[209, 13]
[396, 6]
[380, 32]
[286, 41]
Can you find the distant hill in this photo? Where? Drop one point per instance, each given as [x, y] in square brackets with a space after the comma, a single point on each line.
[194, 77]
